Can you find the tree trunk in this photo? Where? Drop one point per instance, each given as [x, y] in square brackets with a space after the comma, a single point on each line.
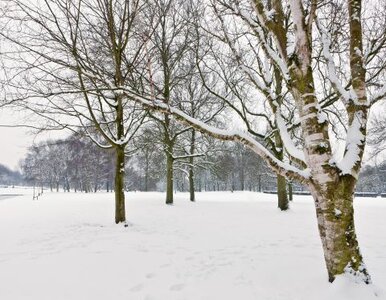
[191, 167]
[282, 199]
[191, 185]
[335, 215]
[290, 192]
[242, 172]
[120, 213]
[146, 188]
[147, 167]
[169, 177]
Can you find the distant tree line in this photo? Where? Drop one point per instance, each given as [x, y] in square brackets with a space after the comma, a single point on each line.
[70, 164]
[78, 164]
[372, 179]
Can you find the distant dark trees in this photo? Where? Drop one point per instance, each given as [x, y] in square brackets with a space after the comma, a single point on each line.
[372, 179]
[9, 177]
[76, 164]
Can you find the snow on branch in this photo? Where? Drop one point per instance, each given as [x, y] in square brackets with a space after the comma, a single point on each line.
[354, 145]
[182, 170]
[381, 94]
[331, 68]
[301, 37]
[188, 156]
[238, 56]
[289, 145]
[275, 164]
[257, 28]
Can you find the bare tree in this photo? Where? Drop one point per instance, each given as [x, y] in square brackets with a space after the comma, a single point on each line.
[172, 71]
[195, 100]
[72, 56]
[233, 55]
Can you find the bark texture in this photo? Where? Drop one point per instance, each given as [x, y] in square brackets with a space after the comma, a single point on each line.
[192, 195]
[120, 211]
[335, 214]
[282, 199]
[290, 192]
[169, 173]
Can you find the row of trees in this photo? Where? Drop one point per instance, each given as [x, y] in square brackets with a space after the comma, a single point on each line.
[298, 77]
[75, 164]
[69, 164]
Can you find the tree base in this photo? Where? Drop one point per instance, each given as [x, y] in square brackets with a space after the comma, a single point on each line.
[358, 276]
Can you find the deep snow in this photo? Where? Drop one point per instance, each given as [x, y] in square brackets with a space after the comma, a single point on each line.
[224, 246]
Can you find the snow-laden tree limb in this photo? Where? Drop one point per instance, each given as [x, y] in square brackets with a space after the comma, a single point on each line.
[331, 68]
[188, 156]
[355, 140]
[264, 29]
[278, 166]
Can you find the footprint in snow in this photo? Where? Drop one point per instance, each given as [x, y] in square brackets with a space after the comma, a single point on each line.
[150, 275]
[177, 287]
[137, 288]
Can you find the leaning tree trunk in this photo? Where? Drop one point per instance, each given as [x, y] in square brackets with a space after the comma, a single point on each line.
[119, 188]
[335, 214]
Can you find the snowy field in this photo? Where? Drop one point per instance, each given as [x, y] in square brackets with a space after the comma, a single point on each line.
[228, 246]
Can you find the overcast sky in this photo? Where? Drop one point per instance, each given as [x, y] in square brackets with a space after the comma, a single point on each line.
[14, 142]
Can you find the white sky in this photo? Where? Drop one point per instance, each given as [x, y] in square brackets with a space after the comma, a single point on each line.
[14, 142]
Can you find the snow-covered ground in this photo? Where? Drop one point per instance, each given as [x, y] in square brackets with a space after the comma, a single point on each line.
[224, 246]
